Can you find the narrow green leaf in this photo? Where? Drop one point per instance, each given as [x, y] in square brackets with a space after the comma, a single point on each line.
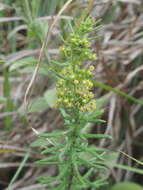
[97, 136]
[19, 170]
[50, 97]
[70, 26]
[96, 121]
[47, 163]
[35, 5]
[7, 94]
[132, 169]
[50, 150]
[31, 69]
[22, 63]
[60, 64]
[100, 102]
[92, 115]
[108, 88]
[52, 6]
[3, 99]
[46, 180]
[38, 105]
[127, 186]
[53, 134]
[40, 142]
[88, 173]
[27, 11]
[45, 160]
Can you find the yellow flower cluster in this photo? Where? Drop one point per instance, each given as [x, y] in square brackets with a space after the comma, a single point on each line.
[75, 92]
[74, 88]
[78, 46]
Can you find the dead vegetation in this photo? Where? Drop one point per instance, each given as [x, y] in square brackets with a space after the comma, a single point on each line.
[119, 65]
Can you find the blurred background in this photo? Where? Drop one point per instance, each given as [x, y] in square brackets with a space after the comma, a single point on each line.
[23, 28]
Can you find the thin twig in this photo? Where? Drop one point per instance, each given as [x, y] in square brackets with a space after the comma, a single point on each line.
[31, 84]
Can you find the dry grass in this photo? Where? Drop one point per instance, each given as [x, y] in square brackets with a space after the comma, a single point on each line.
[120, 65]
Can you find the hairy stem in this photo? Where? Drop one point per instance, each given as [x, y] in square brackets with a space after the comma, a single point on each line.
[72, 150]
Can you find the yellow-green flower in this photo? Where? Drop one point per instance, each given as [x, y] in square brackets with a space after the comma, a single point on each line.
[75, 89]
[76, 81]
[91, 68]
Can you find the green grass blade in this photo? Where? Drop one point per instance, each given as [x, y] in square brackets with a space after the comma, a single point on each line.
[108, 88]
[7, 96]
[132, 169]
[27, 10]
[19, 170]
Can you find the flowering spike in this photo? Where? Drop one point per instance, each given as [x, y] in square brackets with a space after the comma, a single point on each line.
[77, 50]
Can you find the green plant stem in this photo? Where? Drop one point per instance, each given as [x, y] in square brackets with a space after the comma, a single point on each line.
[72, 149]
[7, 95]
[70, 176]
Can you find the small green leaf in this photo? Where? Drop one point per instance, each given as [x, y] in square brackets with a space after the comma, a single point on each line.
[23, 62]
[2, 99]
[38, 105]
[50, 97]
[95, 121]
[53, 134]
[40, 143]
[92, 116]
[53, 149]
[31, 69]
[45, 160]
[60, 64]
[101, 101]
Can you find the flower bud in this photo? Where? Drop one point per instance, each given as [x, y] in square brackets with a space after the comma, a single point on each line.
[91, 68]
[76, 81]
